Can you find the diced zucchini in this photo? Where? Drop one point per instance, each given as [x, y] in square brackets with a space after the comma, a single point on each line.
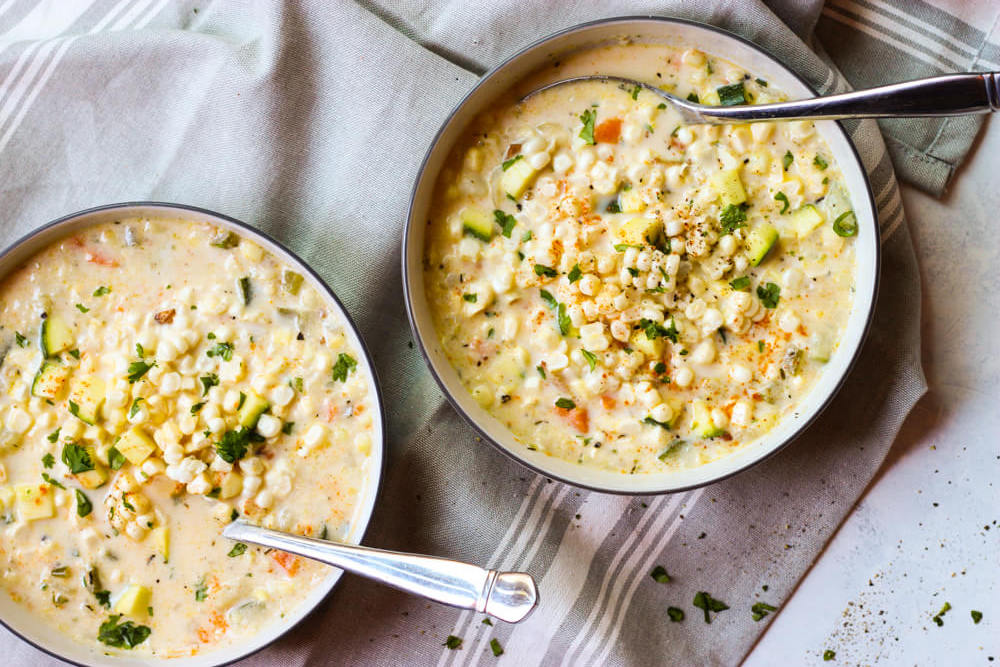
[820, 347]
[135, 445]
[701, 421]
[88, 396]
[34, 501]
[805, 219]
[728, 185]
[517, 178]
[631, 202]
[134, 601]
[759, 242]
[56, 336]
[50, 380]
[161, 541]
[232, 485]
[93, 479]
[475, 221]
[291, 281]
[651, 348]
[253, 407]
[641, 231]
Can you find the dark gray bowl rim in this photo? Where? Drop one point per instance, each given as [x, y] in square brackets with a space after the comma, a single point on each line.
[350, 322]
[408, 295]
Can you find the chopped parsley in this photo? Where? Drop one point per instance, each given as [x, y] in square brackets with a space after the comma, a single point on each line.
[124, 635]
[102, 290]
[48, 460]
[137, 369]
[613, 207]
[53, 482]
[660, 368]
[208, 381]
[761, 609]
[234, 444]
[741, 284]
[707, 603]
[470, 297]
[487, 621]
[732, 94]
[574, 274]
[52, 437]
[565, 404]
[655, 330]
[733, 217]
[496, 648]
[526, 236]
[196, 408]
[453, 642]
[659, 575]
[587, 118]
[76, 458]
[82, 308]
[83, 504]
[783, 198]
[21, 340]
[590, 357]
[345, 364]
[507, 164]
[238, 550]
[548, 272]
[222, 350]
[829, 655]
[769, 294]
[136, 406]
[506, 222]
[820, 162]
[676, 614]
[116, 459]
[786, 160]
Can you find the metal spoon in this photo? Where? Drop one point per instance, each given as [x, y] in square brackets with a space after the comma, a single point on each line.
[508, 596]
[947, 95]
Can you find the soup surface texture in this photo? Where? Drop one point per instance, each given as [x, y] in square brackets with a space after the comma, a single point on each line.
[627, 292]
[159, 379]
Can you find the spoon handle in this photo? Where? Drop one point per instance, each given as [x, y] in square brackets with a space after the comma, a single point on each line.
[508, 596]
[947, 95]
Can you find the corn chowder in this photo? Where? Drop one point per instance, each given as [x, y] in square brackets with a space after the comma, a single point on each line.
[160, 379]
[624, 291]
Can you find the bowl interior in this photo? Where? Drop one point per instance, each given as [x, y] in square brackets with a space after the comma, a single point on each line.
[33, 629]
[527, 64]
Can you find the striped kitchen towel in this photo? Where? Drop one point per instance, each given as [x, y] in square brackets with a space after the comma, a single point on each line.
[309, 119]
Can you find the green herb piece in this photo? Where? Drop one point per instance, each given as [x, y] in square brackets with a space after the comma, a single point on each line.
[453, 642]
[707, 603]
[976, 616]
[83, 504]
[634, 272]
[541, 370]
[53, 437]
[574, 274]
[345, 364]
[208, 381]
[846, 224]
[622, 247]
[82, 308]
[829, 655]
[496, 648]
[238, 550]
[635, 92]
[590, 357]
[298, 384]
[471, 298]
[548, 272]
[75, 353]
[938, 617]
[116, 459]
[487, 621]
[613, 207]
[565, 324]
[659, 575]
[225, 239]
[507, 164]
[733, 217]
[221, 350]
[671, 449]
[676, 614]
[76, 458]
[241, 401]
[525, 237]
[761, 609]
[200, 590]
[103, 598]
[783, 198]
[124, 635]
[140, 352]
[102, 290]
[20, 340]
[246, 290]
[196, 408]
[660, 367]
[234, 515]
[234, 444]
[587, 118]
[769, 295]
[549, 300]
[693, 97]
[661, 106]
[732, 94]
[820, 162]
[786, 160]
[136, 406]
[761, 82]
[48, 460]
[652, 422]
[287, 427]
[137, 369]
[565, 403]
[506, 222]
[654, 330]
[50, 480]
[741, 284]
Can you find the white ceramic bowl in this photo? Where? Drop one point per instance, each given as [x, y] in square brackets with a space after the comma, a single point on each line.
[35, 631]
[528, 62]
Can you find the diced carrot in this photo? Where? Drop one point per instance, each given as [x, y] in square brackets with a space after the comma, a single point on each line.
[287, 561]
[577, 417]
[607, 402]
[608, 131]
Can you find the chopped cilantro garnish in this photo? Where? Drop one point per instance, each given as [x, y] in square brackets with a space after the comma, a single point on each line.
[655, 330]
[565, 324]
[222, 350]
[575, 273]
[208, 381]
[495, 647]
[548, 272]
[549, 300]
[82, 308]
[829, 655]
[944, 610]
[976, 616]
[234, 444]
[116, 459]
[541, 370]
[653, 422]
[506, 222]
[75, 353]
[345, 364]
[200, 591]
[48, 460]
[20, 340]
[636, 91]
[470, 297]
[238, 550]
[769, 295]
[786, 160]
[196, 408]
[693, 97]
[76, 458]
[590, 357]
[783, 198]
[820, 162]
[246, 290]
[50, 480]
[124, 635]
[659, 575]
[137, 369]
[83, 504]
[102, 290]
[733, 217]
[741, 284]
[587, 118]
[565, 403]
[136, 406]
[732, 94]
[287, 427]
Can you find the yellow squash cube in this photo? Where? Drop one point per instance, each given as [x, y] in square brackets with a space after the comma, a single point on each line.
[161, 541]
[34, 501]
[135, 445]
[134, 601]
[641, 231]
[517, 178]
[728, 185]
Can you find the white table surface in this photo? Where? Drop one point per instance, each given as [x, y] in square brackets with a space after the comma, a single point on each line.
[919, 536]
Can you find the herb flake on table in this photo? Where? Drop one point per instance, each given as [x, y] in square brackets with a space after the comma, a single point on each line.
[829, 655]
[453, 642]
[938, 618]
[707, 603]
[659, 575]
[496, 648]
[976, 616]
[676, 614]
[760, 610]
